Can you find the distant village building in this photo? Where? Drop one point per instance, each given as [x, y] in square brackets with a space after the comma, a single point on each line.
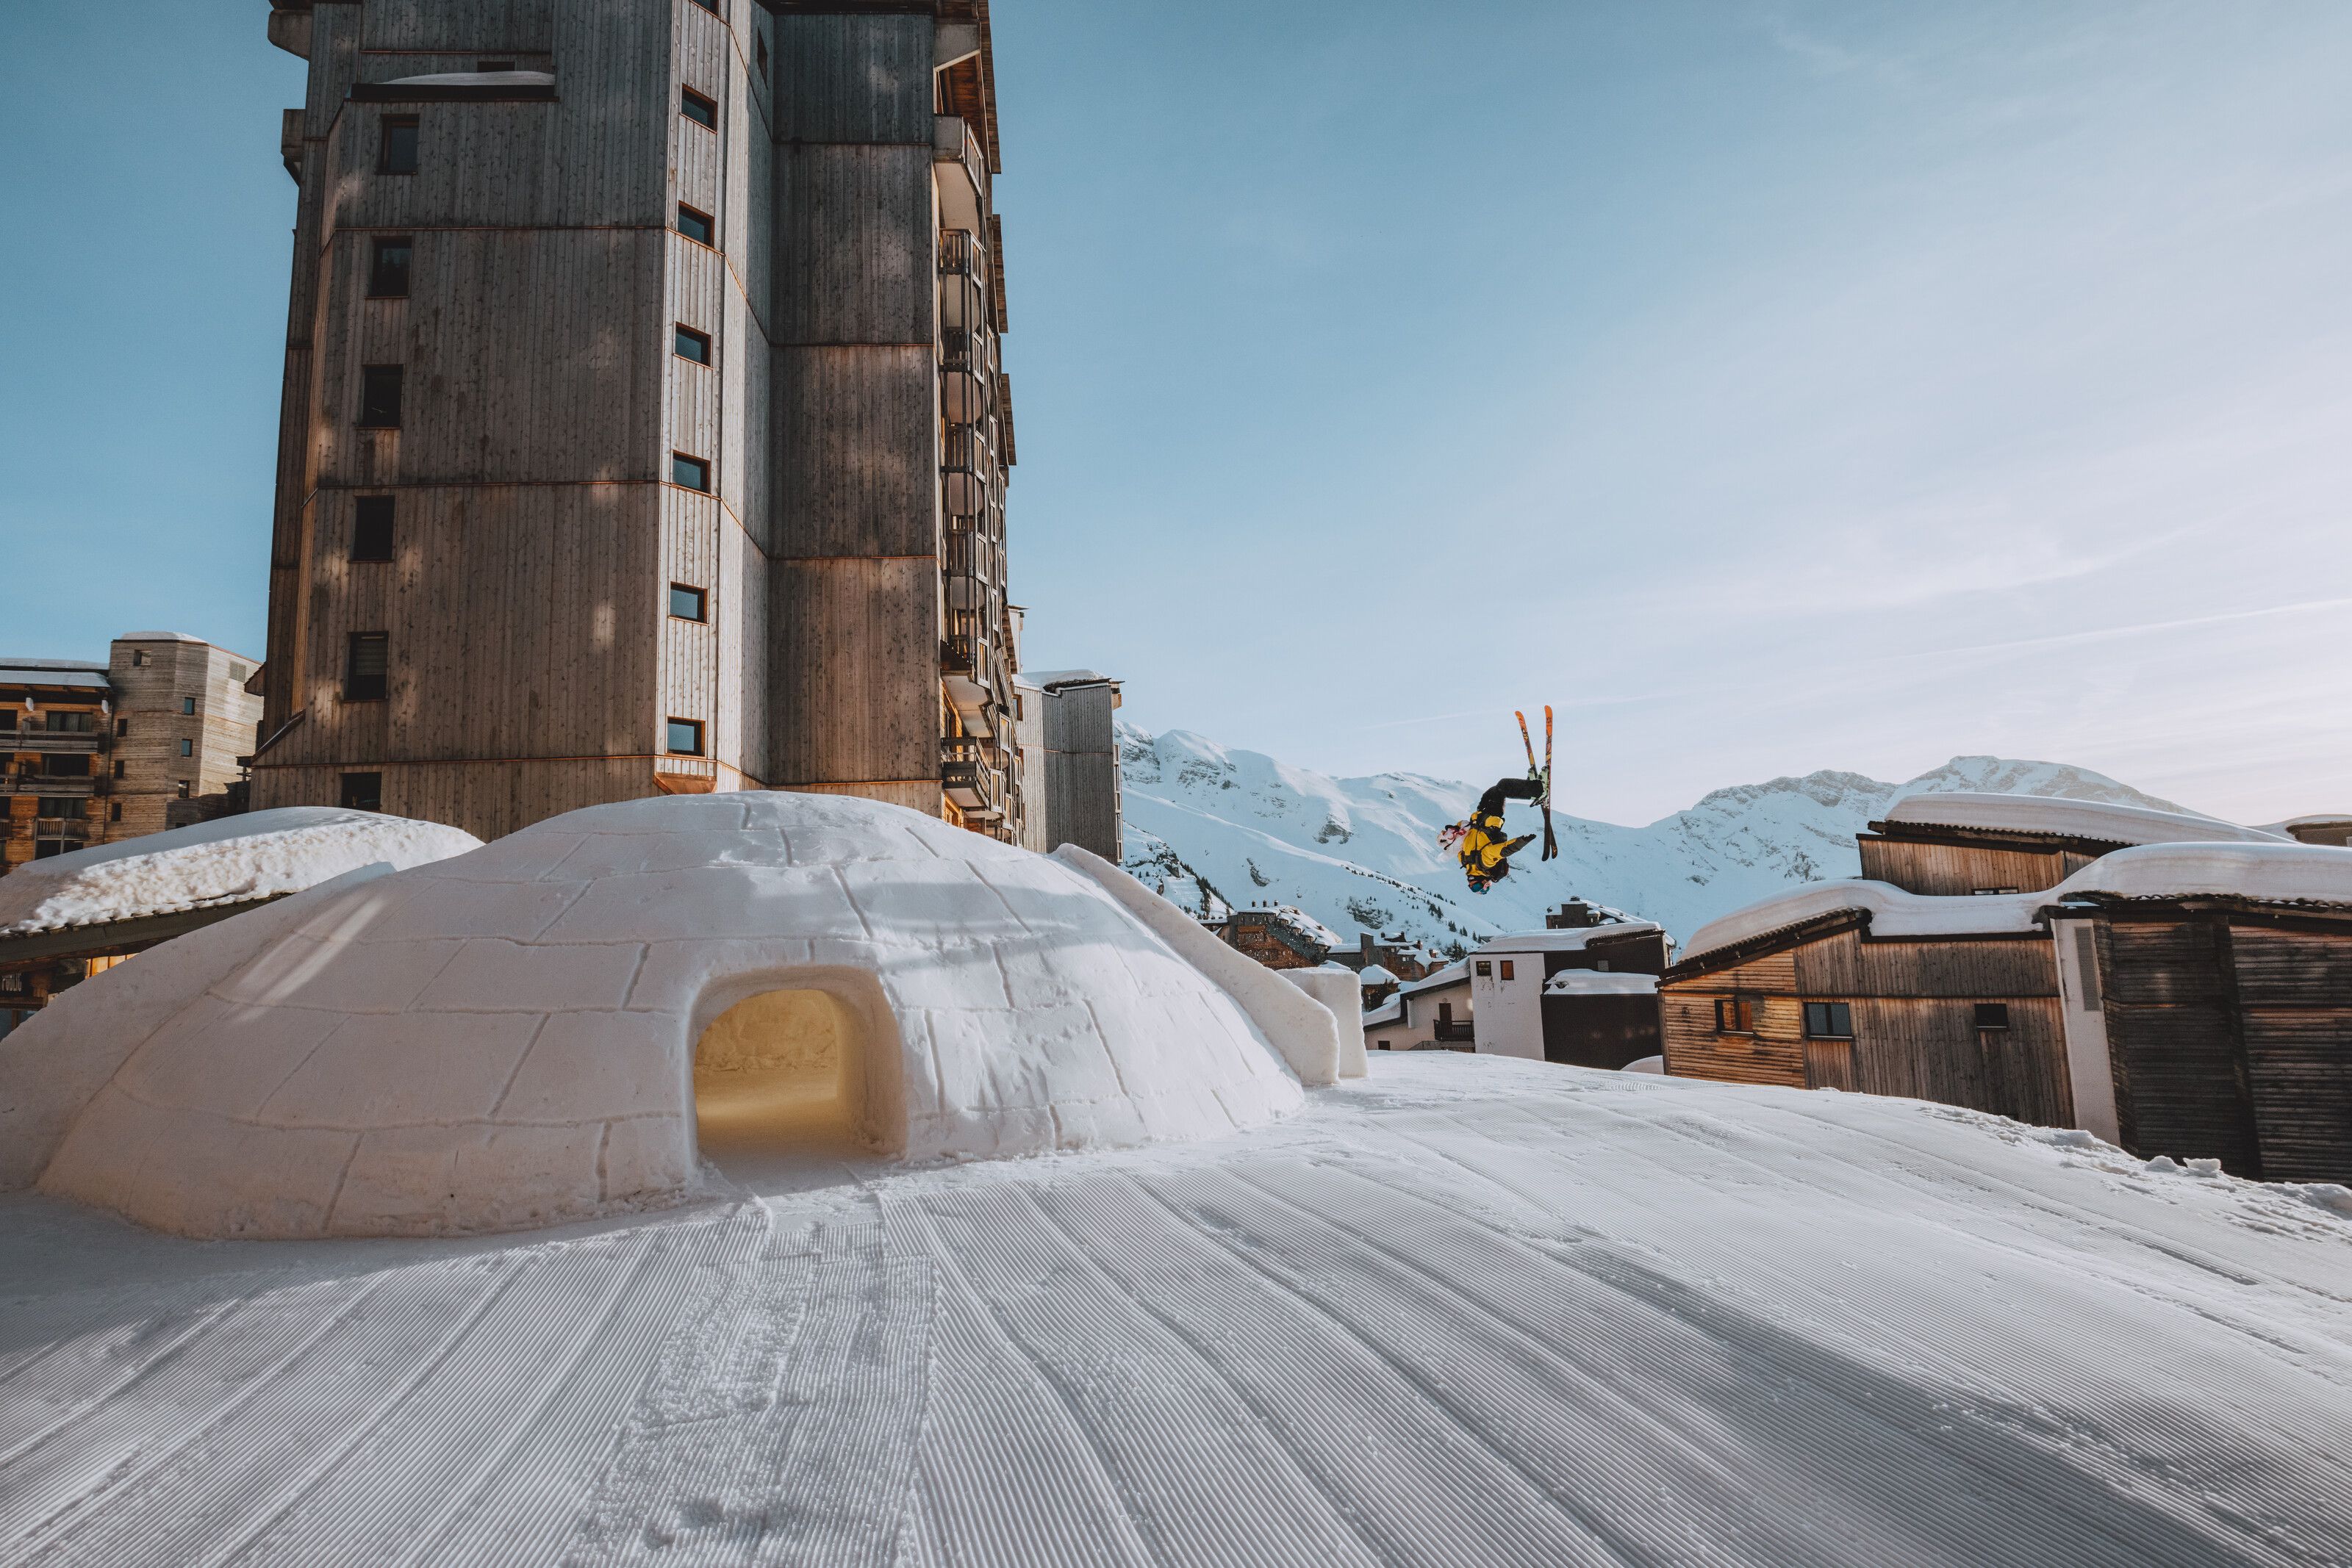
[646, 429]
[1280, 936]
[1431, 1013]
[1396, 952]
[1583, 994]
[94, 754]
[1069, 732]
[2175, 984]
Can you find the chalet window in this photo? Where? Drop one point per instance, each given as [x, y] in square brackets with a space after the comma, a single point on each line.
[1507, 968]
[68, 765]
[363, 791]
[238, 672]
[2086, 965]
[388, 272]
[72, 723]
[695, 225]
[366, 662]
[1991, 892]
[118, 769]
[372, 528]
[186, 790]
[1992, 1015]
[1735, 1015]
[187, 747]
[697, 107]
[114, 810]
[688, 603]
[121, 726]
[65, 807]
[138, 655]
[1829, 1021]
[9, 719]
[380, 397]
[691, 472]
[686, 737]
[188, 707]
[396, 154]
[693, 345]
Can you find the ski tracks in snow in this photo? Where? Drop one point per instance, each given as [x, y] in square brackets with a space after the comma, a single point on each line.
[1472, 1313]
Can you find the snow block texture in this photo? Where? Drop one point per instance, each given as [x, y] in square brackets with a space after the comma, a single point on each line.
[507, 1038]
[1337, 988]
[1301, 1029]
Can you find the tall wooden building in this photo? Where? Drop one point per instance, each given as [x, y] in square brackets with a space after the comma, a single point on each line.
[1068, 730]
[644, 427]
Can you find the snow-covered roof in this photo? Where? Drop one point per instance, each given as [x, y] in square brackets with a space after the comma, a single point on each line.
[2318, 820]
[1378, 975]
[1600, 983]
[1048, 680]
[477, 78]
[1389, 1011]
[516, 1035]
[231, 860]
[1573, 940]
[2269, 874]
[1455, 973]
[1893, 913]
[2094, 820]
[52, 672]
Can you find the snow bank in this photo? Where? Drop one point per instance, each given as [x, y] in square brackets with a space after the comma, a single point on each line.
[1301, 1029]
[509, 1037]
[1337, 988]
[2105, 821]
[1651, 1064]
[2283, 872]
[232, 860]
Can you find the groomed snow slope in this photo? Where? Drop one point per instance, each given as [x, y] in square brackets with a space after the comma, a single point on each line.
[1469, 1311]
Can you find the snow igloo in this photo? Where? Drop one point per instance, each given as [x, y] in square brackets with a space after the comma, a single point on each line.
[557, 1025]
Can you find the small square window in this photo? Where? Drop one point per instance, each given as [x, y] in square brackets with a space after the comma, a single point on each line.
[121, 726]
[695, 225]
[388, 271]
[366, 666]
[188, 707]
[1735, 1015]
[688, 603]
[187, 789]
[693, 345]
[187, 747]
[379, 388]
[372, 528]
[363, 791]
[1484, 967]
[1507, 972]
[1829, 1021]
[686, 737]
[697, 107]
[138, 655]
[397, 152]
[118, 769]
[691, 472]
[1992, 1015]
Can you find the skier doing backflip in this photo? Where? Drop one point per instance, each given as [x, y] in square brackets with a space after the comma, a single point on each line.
[1479, 843]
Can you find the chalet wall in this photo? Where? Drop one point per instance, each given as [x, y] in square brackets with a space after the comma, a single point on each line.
[1948, 870]
[2180, 1081]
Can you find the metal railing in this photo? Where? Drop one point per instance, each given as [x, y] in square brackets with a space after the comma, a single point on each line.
[969, 776]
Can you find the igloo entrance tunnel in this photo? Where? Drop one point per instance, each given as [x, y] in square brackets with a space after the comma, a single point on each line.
[551, 1027]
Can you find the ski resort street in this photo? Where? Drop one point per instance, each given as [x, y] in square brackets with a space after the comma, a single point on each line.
[1468, 1310]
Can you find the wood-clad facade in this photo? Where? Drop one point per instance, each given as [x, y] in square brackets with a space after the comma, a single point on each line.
[1068, 733]
[1941, 861]
[643, 428]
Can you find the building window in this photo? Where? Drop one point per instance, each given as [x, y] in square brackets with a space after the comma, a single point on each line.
[187, 747]
[693, 345]
[1484, 968]
[138, 655]
[1829, 1021]
[380, 397]
[364, 791]
[9, 719]
[1991, 892]
[121, 726]
[1735, 1015]
[238, 672]
[688, 603]
[372, 528]
[118, 769]
[388, 273]
[695, 225]
[68, 807]
[697, 107]
[1507, 969]
[397, 152]
[1992, 1015]
[72, 723]
[185, 790]
[686, 737]
[70, 766]
[188, 707]
[114, 812]
[366, 663]
[691, 472]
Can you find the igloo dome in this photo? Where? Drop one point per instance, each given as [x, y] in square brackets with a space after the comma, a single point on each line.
[551, 1027]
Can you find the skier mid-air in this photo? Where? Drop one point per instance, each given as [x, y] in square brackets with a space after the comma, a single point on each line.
[1479, 843]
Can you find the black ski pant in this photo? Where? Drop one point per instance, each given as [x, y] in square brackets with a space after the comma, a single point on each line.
[1490, 804]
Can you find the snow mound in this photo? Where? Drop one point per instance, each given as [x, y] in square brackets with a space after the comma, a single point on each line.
[2105, 821]
[2281, 873]
[232, 860]
[555, 1025]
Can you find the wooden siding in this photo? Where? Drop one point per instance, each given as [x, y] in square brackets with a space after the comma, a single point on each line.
[480, 26]
[2294, 996]
[2180, 1083]
[1946, 869]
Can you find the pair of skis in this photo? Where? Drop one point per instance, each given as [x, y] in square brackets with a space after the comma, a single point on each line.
[1551, 844]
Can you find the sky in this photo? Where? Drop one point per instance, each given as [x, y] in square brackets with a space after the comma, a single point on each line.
[1770, 387]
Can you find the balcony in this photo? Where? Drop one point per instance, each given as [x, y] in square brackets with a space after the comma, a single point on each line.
[959, 169]
[967, 471]
[967, 375]
[90, 740]
[964, 280]
[969, 776]
[42, 784]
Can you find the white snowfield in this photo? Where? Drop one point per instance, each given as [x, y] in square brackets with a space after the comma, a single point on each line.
[2106, 821]
[508, 1038]
[233, 860]
[1471, 1310]
[2276, 871]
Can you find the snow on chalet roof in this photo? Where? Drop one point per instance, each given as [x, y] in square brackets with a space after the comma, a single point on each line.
[2094, 820]
[1599, 983]
[1048, 680]
[477, 78]
[1893, 913]
[1573, 940]
[52, 672]
[232, 860]
[1377, 975]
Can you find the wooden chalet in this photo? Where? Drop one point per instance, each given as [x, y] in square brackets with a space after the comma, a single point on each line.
[1280, 937]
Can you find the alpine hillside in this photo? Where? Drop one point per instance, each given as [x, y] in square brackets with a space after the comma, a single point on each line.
[1208, 822]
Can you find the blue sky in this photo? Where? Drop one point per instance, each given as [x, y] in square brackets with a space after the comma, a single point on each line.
[1771, 387]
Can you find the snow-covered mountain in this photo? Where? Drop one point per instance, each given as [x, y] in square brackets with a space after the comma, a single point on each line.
[1204, 822]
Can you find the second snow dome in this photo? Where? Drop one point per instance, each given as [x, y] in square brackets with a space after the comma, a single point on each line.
[543, 1028]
